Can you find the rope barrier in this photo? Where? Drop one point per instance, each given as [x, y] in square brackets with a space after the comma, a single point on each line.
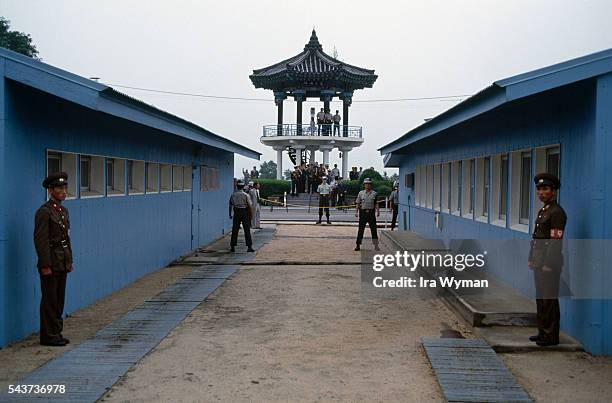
[305, 207]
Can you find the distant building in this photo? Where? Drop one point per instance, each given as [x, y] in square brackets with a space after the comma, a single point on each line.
[468, 174]
[312, 74]
[145, 186]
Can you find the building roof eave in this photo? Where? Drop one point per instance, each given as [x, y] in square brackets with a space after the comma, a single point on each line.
[100, 97]
[508, 90]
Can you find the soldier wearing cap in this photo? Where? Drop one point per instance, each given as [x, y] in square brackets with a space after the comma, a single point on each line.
[367, 211]
[54, 251]
[241, 206]
[394, 200]
[546, 259]
[324, 191]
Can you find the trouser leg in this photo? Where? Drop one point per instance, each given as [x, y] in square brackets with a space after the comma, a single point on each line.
[362, 224]
[372, 224]
[246, 226]
[235, 228]
[394, 217]
[547, 303]
[51, 306]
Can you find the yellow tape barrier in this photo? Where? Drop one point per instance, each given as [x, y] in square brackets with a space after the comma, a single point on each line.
[314, 206]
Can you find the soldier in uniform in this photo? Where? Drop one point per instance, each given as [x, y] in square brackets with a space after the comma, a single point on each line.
[546, 259]
[254, 195]
[52, 243]
[394, 199]
[324, 191]
[242, 208]
[367, 211]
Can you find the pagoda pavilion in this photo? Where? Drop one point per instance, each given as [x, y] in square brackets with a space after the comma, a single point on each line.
[312, 74]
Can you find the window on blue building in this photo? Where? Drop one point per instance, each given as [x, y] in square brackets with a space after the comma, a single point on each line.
[177, 178]
[525, 187]
[115, 177]
[437, 186]
[503, 188]
[445, 184]
[467, 188]
[152, 177]
[166, 177]
[67, 162]
[430, 187]
[85, 173]
[136, 177]
[187, 177]
[552, 161]
[455, 187]
[486, 186]
[92, 176]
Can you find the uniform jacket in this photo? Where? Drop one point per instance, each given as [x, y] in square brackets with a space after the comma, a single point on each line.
[51, 237]
[544, 250]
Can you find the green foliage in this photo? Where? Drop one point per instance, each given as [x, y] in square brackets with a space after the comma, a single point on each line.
[267, 170]
[382, 187]
[273, 187]
[370, 173]
[16, 41]
[287, 174]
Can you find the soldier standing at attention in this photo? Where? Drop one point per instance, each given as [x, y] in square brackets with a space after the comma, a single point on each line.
[324, 191]
[367, 211]
[242, 208]
[546, 259]
[394, 199]
[52, 243]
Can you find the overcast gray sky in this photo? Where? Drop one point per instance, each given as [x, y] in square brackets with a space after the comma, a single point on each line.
[418, 49]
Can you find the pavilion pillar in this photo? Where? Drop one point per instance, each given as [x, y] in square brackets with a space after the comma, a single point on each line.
[300, 97]
[347, 100]
[345, 151]
[279, 162]
[326, 148]
[279, 97]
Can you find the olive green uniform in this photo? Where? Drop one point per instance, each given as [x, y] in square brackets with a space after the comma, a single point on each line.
[52, 243]
[546, 251]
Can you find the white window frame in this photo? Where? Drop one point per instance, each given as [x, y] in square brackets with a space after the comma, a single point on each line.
[96, 177]
[115, 179]
[445, 188]
[68, 163]
[136, 177]
[455, 187]
[165, 178]
[152, 180]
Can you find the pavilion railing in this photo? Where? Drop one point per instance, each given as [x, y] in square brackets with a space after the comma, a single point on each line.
[312, 130]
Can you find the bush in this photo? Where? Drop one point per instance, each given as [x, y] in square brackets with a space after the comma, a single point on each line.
[273, 187]
[382, 187]
[370, 173]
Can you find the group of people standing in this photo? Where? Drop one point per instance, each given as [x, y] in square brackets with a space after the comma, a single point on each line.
[326, 121]
[306, 178]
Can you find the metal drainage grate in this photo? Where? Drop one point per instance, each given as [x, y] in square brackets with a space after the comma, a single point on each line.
[95, 365]
[468, 370]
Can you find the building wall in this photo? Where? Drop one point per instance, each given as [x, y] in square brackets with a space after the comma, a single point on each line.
[4, 306]
[575, 117]
[115, 239]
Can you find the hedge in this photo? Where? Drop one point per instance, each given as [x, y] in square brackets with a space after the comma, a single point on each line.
[273, 187]
[276, 187]
[382, 187]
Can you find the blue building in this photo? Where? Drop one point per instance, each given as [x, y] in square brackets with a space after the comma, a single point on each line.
[145, 186]
[467, 174]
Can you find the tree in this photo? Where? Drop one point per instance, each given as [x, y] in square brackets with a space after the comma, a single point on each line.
[267, 170]
[287, 174]
[16, 41]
